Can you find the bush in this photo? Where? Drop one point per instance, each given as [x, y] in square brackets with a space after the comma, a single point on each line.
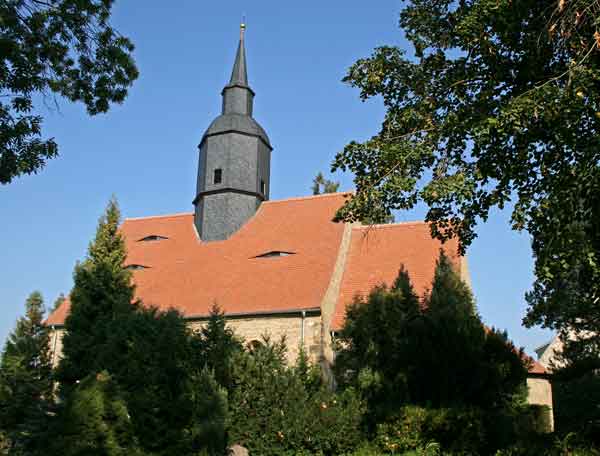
[577, 407]
[570, 445]
[458, 430]
[95, 421]
[279, 410]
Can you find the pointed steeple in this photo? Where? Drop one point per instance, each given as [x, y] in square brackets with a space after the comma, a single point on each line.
[238, 97]
[234, 163]
[239, 75]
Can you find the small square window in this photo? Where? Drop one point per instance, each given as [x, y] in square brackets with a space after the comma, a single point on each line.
[218, 178]
[263, 187]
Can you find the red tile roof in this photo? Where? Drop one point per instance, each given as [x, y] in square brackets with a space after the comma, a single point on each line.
[376, 254]
[190, 275]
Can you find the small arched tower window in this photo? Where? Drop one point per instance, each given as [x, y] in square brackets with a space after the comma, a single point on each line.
[263, 187]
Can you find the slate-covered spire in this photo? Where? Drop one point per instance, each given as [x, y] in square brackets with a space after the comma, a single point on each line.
[239, 75]
[238, 97]
[234, 163]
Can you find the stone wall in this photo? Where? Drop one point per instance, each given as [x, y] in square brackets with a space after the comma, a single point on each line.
[253, 328]
[56, 336]
[540, 393]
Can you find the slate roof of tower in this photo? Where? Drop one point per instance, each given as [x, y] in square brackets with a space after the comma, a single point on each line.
[236, 123]
[239, 74]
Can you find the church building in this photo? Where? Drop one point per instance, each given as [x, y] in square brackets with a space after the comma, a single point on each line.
[277, 267]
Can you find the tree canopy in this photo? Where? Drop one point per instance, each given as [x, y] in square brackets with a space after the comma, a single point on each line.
[498, 106]
[26, 394]
[48, 48]
[102, 294]
[399, 351]
[322, 185]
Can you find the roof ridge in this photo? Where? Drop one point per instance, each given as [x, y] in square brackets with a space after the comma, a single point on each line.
[390, 225]
[177, 214]
[300, 198]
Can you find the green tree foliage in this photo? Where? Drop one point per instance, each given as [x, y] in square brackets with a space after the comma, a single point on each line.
[576, 407]
[272, 412]
[206, 431]
[25, 381]
[499, 103]
[215, 345]
[438, 355]
[102, 294]
[95, 421]
[457, 430]
[58, 302]
[173, 402]
[55, 47]
[322, 185]
[376, 347]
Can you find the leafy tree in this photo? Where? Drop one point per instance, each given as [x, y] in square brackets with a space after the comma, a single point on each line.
[95, 421]
[55, 47]
[322, 185]
[26, 394]
[498, 104]
[102, 294]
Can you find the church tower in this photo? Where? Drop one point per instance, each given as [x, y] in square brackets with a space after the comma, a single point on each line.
[234, 160]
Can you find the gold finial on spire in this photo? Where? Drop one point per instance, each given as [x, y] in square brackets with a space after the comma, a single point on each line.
[243, 27]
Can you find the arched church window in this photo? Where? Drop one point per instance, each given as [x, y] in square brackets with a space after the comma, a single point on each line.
[263, 187]
[254, 345]
[218, 177]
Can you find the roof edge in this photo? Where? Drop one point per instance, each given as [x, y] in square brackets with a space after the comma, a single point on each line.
[177, 214]
[301, 198]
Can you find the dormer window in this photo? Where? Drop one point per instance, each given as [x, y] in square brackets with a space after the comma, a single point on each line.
[218, 176]
[274, 253]
[135, 267]
[152, 237]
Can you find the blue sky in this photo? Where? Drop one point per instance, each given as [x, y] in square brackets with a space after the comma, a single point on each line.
[144, 151]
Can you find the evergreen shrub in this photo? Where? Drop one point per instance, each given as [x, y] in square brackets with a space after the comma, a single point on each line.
[277, 409]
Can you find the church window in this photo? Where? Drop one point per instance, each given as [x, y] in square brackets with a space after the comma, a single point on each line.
[263, 187]
[274, 253]
[254, 345]
[152, 237]
[135, 267]
[218, 177]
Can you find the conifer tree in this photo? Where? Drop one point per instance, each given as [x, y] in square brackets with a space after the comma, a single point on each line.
[58, 302]
[206, 431]
[322, 185]
[216, 344]
[376, 351]
[25, 380]
[95, 421]
[462, 362]
[102, 293]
